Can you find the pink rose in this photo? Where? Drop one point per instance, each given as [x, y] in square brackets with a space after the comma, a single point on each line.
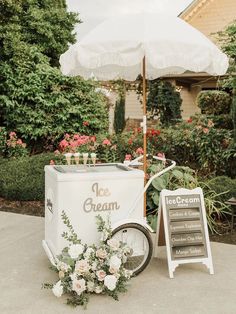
[106, 142]
[12, 134]
[128, 157]
[101, 253]
[101, 275]
[139, 151]
[205, 130]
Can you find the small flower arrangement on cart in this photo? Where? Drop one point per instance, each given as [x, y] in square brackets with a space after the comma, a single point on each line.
[83, 269]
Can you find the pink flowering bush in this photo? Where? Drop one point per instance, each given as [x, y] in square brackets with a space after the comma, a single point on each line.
[77, 143]
[15, 146]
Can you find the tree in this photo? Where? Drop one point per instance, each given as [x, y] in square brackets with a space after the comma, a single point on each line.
[44, 24]
[227, 39]
[119, 114]
[164, 101]
[36, 100]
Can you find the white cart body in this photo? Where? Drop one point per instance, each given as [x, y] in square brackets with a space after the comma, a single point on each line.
[83, 193]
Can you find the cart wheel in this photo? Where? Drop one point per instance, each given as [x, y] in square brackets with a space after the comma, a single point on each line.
[139, 241]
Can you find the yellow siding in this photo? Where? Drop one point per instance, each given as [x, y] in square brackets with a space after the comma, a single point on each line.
[214, 16]
[189, 105]
[133, 109]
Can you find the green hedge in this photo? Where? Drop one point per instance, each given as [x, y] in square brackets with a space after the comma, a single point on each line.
[224, 186]
[23, 179]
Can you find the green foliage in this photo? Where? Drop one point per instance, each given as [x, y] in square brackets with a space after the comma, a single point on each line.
[233, 112]
[227, 39]
[184, 177]
[23, 179]
[45, 25]
[119, 114]
[3, 140]
[214, 102]
[224, 186]
[36, 100]
[164, 101]
[69, 235]
[42, 105]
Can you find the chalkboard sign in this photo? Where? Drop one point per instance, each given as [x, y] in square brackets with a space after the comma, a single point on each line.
[185, 226]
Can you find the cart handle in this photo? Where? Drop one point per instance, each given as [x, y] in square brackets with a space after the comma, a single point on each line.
[172, 165]
[158, 174]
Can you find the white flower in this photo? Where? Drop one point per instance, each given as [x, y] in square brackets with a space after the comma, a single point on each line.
[128, 273]
[114, 244]
[75, 250]
[110, 282]
[126, 250]
[115, 262]
[78, 286]
[90, 286]
[63, 266]
[61, 274]
[82, 267]
[58, 289]
[88, 252]
[101, 274]
[101, 253]
[98, 289]
[94, 265]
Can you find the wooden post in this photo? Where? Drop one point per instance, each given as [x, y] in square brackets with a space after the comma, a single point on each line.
[144, 130]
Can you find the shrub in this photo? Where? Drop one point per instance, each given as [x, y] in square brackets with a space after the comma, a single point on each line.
[3, 140]
[233, 113]
[164, 101]
[214, 102]
[42, 105]
[224, 186]
[119, 114]
[23, 179]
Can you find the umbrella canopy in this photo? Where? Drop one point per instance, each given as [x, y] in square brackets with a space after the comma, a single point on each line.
[115, 48]
[152, 45]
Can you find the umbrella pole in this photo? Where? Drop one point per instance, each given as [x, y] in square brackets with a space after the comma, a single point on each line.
[144, 129]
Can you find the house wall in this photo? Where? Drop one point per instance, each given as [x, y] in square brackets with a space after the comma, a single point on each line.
[133, 108]
[212, 17]
[189, 104]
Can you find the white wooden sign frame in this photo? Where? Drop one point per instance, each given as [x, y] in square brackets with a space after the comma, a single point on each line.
[162, 213]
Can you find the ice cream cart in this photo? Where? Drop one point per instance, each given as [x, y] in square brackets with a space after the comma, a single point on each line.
[83, 192]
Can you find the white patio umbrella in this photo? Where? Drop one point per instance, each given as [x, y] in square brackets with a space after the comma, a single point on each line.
[152, 45]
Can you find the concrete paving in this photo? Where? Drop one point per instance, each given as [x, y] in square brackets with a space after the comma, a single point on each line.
[24, 267]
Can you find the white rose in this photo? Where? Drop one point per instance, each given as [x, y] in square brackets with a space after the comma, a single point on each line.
[94, 266]
[114, 244]
[90, 286]
[75, 250]
[110, 282]
[98, 289]
[63, 266]
[101, 253]
[78, 286]
[82, 267]
[101, 275]
[58, 289]
[115, 262]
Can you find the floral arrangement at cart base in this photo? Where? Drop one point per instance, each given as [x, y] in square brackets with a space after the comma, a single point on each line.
[83, 269]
